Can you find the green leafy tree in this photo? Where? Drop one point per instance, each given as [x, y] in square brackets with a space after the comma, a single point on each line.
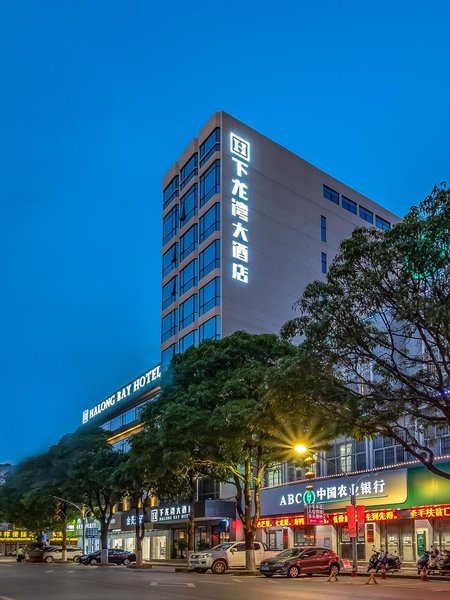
[91, 467]
[376, 333]
[216, 410]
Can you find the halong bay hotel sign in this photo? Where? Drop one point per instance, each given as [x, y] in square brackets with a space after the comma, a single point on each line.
[147, 380]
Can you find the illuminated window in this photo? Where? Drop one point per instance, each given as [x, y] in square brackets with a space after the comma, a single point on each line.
[209, 259]
[188, 205]
[365, 214]
[210, 222]
[382, 223]
[324, 262]
[188, 277]
[210, 183]
[191, 339]
[209, 295]
[188, 242]
[209, 146]
[170, 260]
[188, 311]
[349, 205]
[169, 325]
[169, 292]
[210, 330]
[323, 228]
[167, 355]
[330, 194]
[170, 192]
[188, 171]
[170, 225]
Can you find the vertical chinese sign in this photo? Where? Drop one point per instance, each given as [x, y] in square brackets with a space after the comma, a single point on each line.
[351, 517]
[361, 516]
[239, 207]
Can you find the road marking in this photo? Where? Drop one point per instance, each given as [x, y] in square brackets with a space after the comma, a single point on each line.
[236, 579]
[51, 571]
[177, 584]
[71, 571]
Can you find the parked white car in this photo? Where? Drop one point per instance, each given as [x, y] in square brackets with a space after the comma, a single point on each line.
[55, 553]
[229, 555]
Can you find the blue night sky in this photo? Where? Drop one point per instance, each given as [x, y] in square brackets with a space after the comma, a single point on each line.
[97, 99]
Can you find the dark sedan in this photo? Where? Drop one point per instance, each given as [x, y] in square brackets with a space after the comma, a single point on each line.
[298, 561]
[115, 556]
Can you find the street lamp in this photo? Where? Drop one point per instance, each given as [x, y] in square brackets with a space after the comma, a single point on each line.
[82, 510]
[301, 449]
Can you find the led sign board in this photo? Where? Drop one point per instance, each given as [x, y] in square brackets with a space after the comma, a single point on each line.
[239, 207]
[135, 388]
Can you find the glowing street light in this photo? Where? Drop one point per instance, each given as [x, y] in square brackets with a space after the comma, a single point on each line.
[300, 449]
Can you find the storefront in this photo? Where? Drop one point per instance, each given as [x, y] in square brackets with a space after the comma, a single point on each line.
[403, 511]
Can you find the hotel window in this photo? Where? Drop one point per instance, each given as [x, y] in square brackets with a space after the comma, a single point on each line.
[188, 171]
[188, 277]
[170, 225]
[209, 296]
[188, 311]
[210, 330]
[210, 222]
[209, 259]
[169, 292]
[169, 325]
[210, 183]
[365, 214]
[170, 192]
[349, 205]
[188, 242]
[382, 223]
[167, 355]
[191, 339]
[330, 194]
[188, 205]
[170, 260]
[323, 228]
[324, 262]
[345, 457]
[209, 146]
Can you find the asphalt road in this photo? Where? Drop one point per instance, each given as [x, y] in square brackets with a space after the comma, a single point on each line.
[77, 582]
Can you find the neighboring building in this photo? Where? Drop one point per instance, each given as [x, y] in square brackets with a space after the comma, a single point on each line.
[246, 226]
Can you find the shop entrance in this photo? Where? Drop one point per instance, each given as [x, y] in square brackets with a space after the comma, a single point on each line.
[398, 538]
[158, 547]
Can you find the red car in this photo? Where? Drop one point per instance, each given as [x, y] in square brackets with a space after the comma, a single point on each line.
[304, 560]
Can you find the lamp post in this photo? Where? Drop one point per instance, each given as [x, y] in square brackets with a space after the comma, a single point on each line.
[301, 449]
[82, 510]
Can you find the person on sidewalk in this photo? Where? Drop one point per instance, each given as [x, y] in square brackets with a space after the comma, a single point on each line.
[20, 554]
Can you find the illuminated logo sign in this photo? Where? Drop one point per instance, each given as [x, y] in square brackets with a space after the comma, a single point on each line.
[239, 207]
[172, 512]
[333, 493]
[138, 386]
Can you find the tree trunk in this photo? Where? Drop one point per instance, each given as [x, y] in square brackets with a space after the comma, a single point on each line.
[249, 532]
[191, 522]
[138, 538]
[250, 562]
[104, 540]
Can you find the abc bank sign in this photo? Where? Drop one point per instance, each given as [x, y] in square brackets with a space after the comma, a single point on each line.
[371, 489]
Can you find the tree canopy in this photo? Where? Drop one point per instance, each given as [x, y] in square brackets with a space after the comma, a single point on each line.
[215, 414]
[376, 333]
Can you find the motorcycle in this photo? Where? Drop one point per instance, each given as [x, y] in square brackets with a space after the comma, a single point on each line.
[424, 561]
[439, 563]
[374, 561]
[391, 562]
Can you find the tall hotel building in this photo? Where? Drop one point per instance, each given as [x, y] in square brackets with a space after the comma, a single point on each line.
[246, 226]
